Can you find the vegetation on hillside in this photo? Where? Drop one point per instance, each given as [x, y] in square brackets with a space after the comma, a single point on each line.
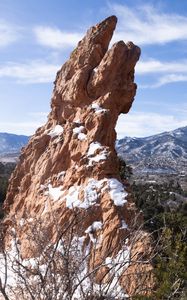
[5, 172]
[164, 209]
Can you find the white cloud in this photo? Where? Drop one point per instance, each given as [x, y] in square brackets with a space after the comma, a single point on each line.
[32, 72]
[25, 128]
[35, 120]
[55, 38]
[139, 124]
[175, 71]
[8, 33]
[147, 25]
[156, 66]
[170, 78]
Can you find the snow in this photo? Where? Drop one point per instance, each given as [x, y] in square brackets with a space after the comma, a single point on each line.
[123, 225]
[83, 281]
[72, 198]
[91, 194]
[82, 277]
[22, 222]
[98, 109]
[98, 157]
[80, 135]
[93, 147]
[78, 129]
[54, 192]
[117, 192]
[56, 131]
[97, 225]
[94, 227]
[77, 121]
[117, 265]
[6, 266]
[61, 174]
[95, 69]
[30, 220]
[42, 187]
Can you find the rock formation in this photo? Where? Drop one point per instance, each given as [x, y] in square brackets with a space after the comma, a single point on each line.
[70, 166]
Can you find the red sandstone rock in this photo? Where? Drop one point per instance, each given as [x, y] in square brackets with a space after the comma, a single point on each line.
[70, 164]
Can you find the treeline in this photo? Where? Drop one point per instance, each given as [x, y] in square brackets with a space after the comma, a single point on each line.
[164, 208]
[5, 172]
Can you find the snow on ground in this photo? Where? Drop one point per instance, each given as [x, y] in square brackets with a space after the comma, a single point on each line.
[91, 194]
[56, 131]
[7, 266]
[22, 222]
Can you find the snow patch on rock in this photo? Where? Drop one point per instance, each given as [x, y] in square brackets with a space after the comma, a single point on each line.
[117, 192]
[97, 108]
[93, 147]
[95, 226]
[54, 192]
[78, 131]
[56, 131]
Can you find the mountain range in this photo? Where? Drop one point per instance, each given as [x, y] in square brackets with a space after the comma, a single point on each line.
[10, 146]
[160, 153]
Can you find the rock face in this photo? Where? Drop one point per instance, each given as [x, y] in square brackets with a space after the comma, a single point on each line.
[70, 165]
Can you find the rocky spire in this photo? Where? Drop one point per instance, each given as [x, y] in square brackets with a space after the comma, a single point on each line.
[70, 164]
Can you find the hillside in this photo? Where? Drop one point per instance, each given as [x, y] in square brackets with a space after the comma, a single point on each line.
[161, 153]
[10, 146]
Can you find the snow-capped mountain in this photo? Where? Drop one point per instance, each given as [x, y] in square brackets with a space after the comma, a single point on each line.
[10, 146]
[161, 153]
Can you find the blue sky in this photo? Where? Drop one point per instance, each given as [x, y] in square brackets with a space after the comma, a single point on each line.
[37, 37]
